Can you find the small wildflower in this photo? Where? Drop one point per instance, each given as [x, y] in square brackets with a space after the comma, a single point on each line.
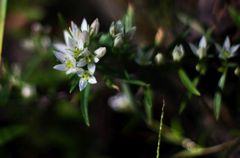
[227, 51]
[159, 59]
[68, 63]
[201, 51]
[119, 102]
[86, 76]
[178, 53]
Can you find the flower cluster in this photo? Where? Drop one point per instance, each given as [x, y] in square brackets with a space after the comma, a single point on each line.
[76, 55]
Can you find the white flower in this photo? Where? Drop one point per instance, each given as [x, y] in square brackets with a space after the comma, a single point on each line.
[90, 59]
[68, 63]
[227, 51]
[201, 51]
[178, 53]
[92, 29]
[159, 59]
[119, 102]
[86, 77]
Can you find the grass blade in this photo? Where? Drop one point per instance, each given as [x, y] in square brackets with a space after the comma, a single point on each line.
[188, 83]
[148, 103]
[3, 8]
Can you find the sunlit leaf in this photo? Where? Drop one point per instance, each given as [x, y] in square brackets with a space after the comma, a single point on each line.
[84, 104]
[11, 132]
[188, 83]
[3, 8]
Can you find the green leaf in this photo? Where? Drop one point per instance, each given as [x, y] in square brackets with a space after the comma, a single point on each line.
[188, 83]
[148, 103]
[128, 18]
[84, 104]
[11, 132]
[218, 95]
[62, 21]
[3, 8]
[235, 15]
[136, 82]
[74, 83]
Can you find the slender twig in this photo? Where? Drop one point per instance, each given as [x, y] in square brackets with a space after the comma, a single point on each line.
[160, 130]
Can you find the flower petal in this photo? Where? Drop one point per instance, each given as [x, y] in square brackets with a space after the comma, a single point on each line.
[60, 47]
[94, 28]
[84, 25]
[100, 52]
[82, 84]
[233, 49]
[92, 80]
[81, 63]
[193, 48]
[227, 43]
[60, 56]
[60, 67]
[91, 68]
[70, 71]
[203, 42]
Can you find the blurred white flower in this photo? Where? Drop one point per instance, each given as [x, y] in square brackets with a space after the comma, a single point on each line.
[159, 59]
[201, 51]
[27, 91]
[227, 51]
[178, 53]
[119, 102]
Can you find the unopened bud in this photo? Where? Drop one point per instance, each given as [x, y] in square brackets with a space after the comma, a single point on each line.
[100, 52]
[159, 59]
[94, 28]
[118, 41]
[178, 53]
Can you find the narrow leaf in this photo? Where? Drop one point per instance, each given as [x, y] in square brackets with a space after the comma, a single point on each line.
[188, 83]
[84, 104]
[148, 103]
[3, 8]
[218, 96]
[11, 132]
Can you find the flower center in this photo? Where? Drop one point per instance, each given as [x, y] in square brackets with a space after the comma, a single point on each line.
[76, 52]
[69, 64]
[89, 59]
[85, 75]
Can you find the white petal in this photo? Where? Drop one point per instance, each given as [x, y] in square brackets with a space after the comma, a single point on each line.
[203, 42]
[60, 47]
[67, 36]
[70, 71]
[94, 27]
[100, 52]
[84, 25]
[95, 59]
[81, 63]
[91, 68]
[79, 71]
[193, 48]
[227, 44]
[82, 84]
[92, 80]
[60, 67]
[234, 49]
[60, 56]
[84, 36]
[74, 28]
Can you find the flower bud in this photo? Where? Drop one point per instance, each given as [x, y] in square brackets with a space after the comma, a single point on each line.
[178, 53]
[118, 41]
[94, 28]
[100, 52]
[159, 59]
[237, 71]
